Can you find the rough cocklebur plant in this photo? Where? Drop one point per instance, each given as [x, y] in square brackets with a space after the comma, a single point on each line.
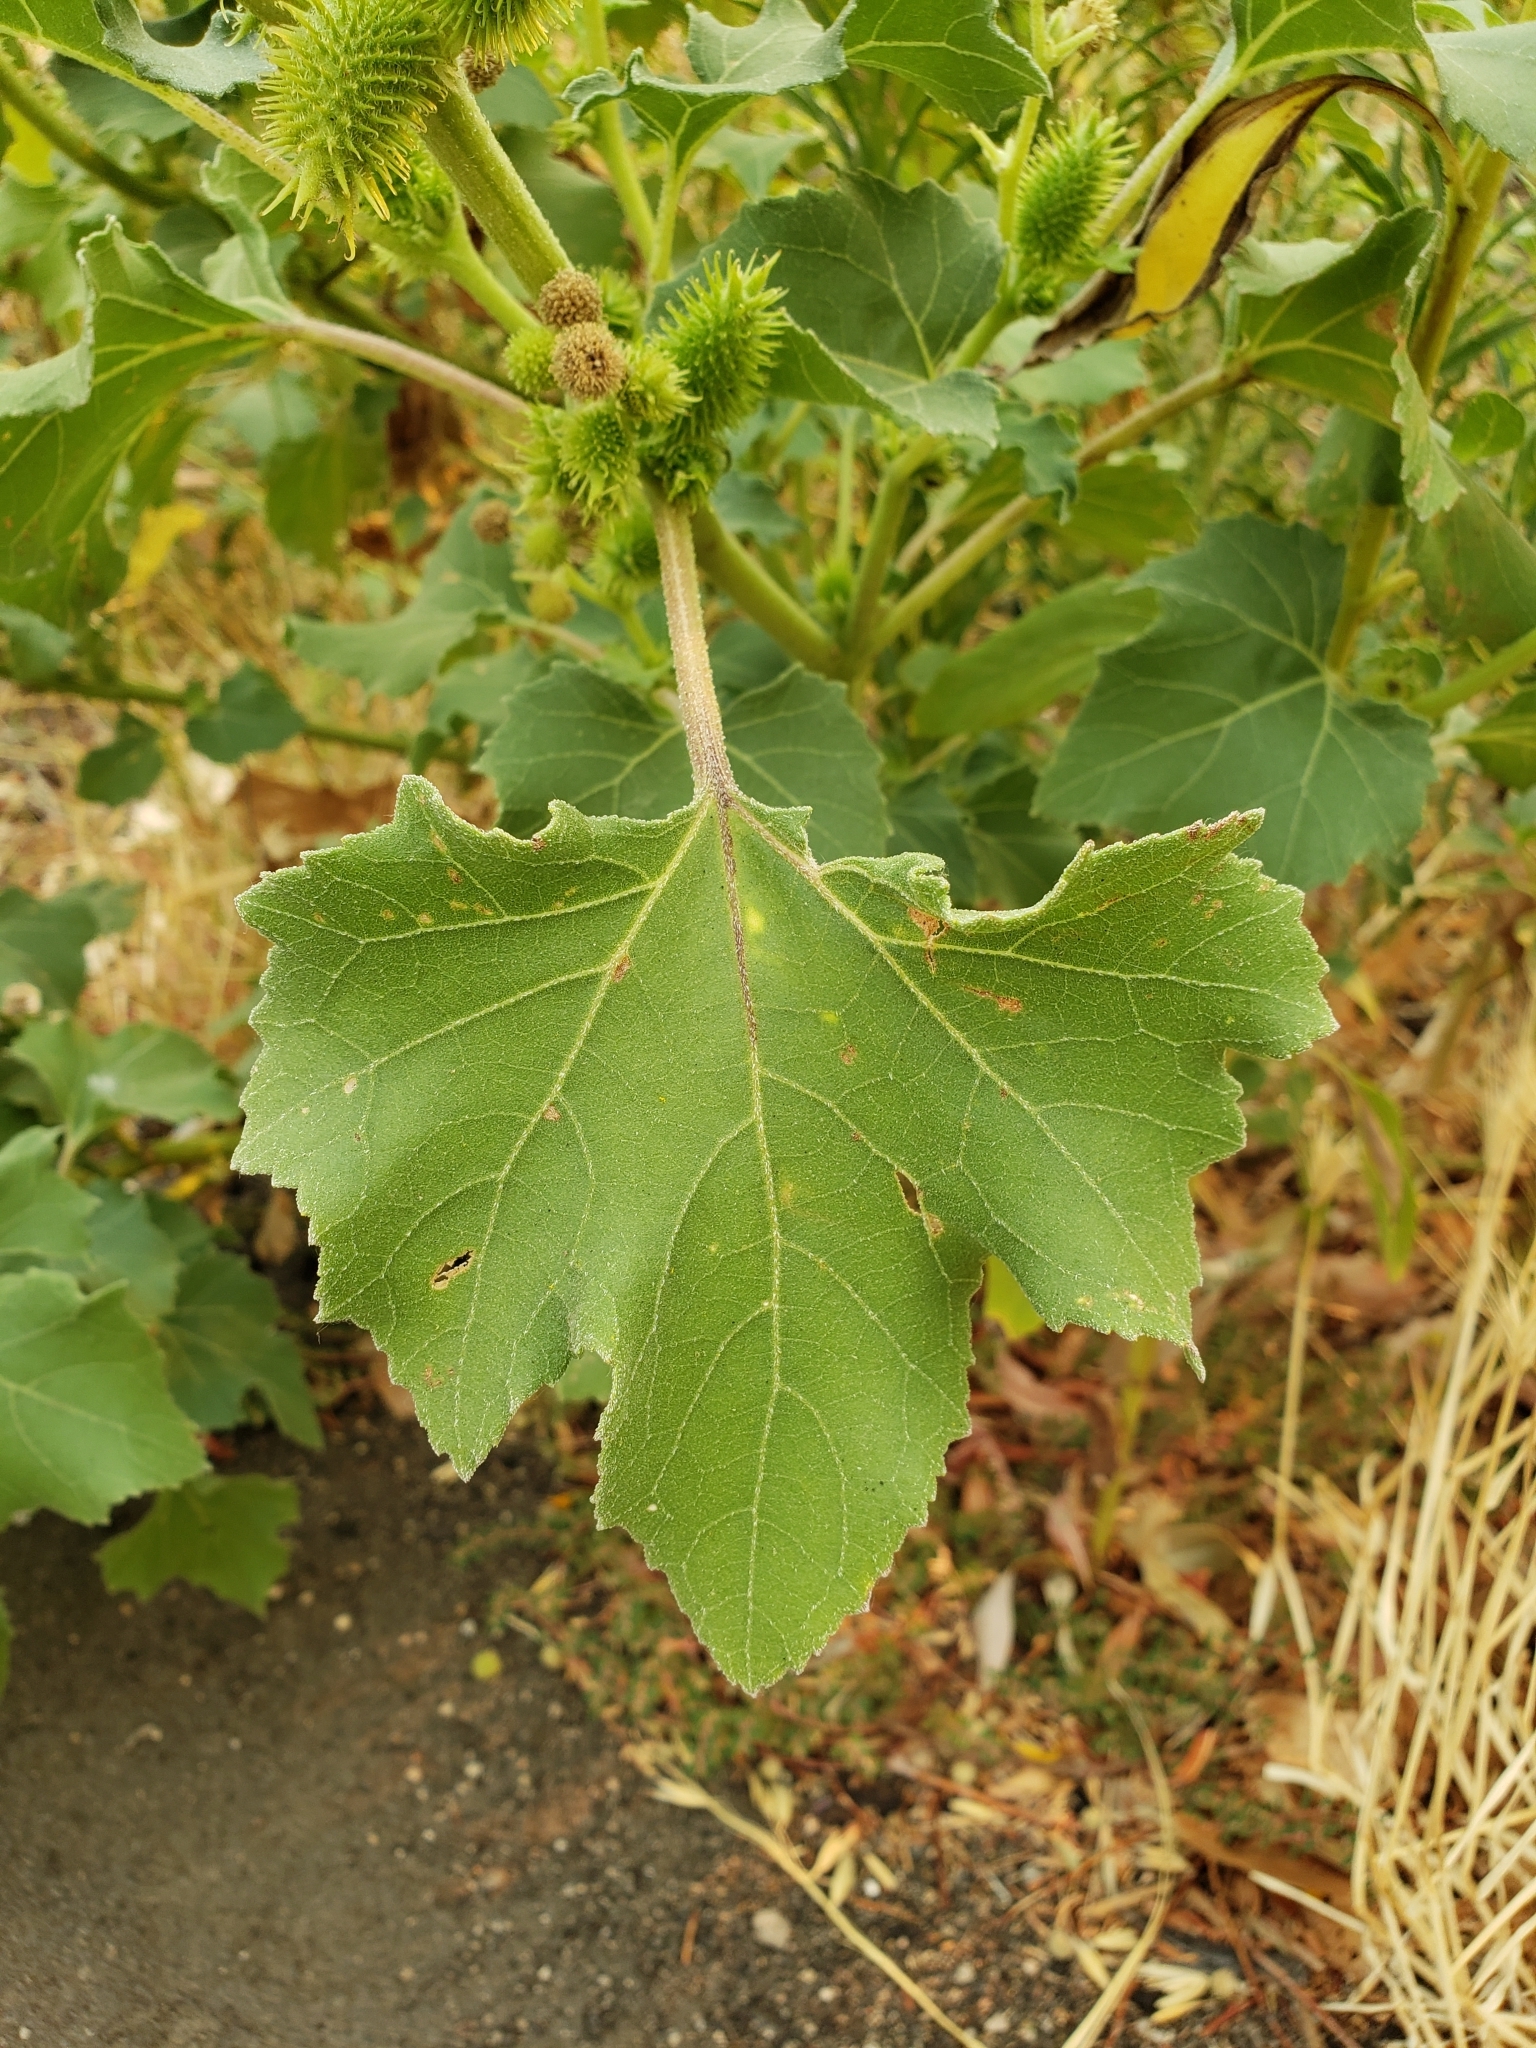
[908, 459]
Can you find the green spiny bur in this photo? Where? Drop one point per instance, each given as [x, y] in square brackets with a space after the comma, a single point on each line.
[1066, 182]
[529, 362]
[500, 28]
[424, 214]
[352, 83]
[723, 332]
[596, 448]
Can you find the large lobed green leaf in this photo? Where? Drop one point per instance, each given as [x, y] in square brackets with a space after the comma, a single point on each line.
[85, 1418]
[465, 581]
[783, 48]
[1047, 652]
[955, 51]
[1225, 703]
[1279, 31]
[113, 36]
[44, 1218]
[880, 285]
[1478, 571]
[594, 744]
[66, 423]
[214, 1532]
[655, 1089]
[1323, 336]
[43, 942]
[86, 1083]
[220, 1342]
[1489, 78]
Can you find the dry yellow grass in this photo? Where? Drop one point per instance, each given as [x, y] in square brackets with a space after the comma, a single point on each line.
[1437, 1747]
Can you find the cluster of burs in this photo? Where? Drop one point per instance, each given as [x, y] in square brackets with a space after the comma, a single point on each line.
[353, 88]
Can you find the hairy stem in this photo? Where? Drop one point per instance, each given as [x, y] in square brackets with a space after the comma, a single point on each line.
[976, 546]
[1498, 668]
[666, 216]
[696, 701]
[885, 519]
[612, 142]
[1367, 538]
[108, 691]
[847, 478]
[1486, 171]
[1000, 312]
[223, 129]
[462, 262]
[465, 144]
[1219, 82]
[396, 355]
[70, 138]
[754, 591]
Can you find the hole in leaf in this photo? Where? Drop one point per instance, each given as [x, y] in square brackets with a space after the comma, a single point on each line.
[451, 1268]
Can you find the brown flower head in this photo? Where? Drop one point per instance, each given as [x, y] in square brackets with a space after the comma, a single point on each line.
[570, 299]
[588, 362]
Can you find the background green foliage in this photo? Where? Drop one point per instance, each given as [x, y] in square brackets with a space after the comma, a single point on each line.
[989, 570]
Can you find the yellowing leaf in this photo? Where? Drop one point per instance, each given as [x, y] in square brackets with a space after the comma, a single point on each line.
[1006, 1303]
[1213, 198]
[160, 527]
[30, 155]
[1206, 207]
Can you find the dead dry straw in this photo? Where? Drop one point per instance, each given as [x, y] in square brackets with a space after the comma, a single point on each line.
[1437, 1748]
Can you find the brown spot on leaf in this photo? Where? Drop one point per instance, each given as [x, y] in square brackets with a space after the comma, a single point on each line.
[1009, 1005]
[550, 1114]
[848, 1055]
[930, 927]
[622, 967]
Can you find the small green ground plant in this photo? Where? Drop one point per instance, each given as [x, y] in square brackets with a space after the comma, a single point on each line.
[128, 1332]
[905, 449]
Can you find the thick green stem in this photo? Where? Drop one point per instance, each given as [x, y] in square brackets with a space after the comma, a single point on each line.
[1487, 675]
[462, 261]
[103, 691]
[465, 144]
[612, 142]
[1486, 172]
[1219, 83]
[1367, 538]
[698, 706]
[223, 129]
[1136, 426]
[754, 591]
[396, 355]
[666, 216]
[71, 139]
[1019, 145]
[1139, 1362]
[847, 478]
[991, 323]
[885, 520]
[976, 546]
